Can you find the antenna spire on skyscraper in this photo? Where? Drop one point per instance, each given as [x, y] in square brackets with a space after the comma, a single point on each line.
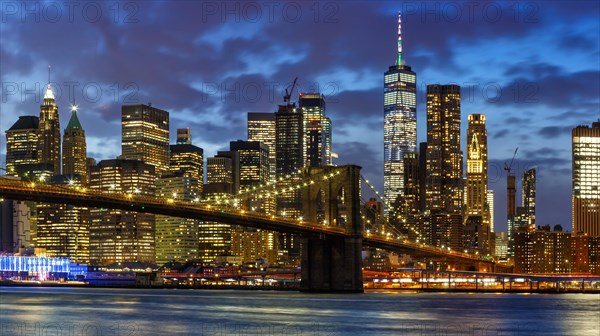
[49, 94]
[399, 62]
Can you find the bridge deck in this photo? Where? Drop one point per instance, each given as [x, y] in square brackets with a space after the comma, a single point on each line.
[39, 192]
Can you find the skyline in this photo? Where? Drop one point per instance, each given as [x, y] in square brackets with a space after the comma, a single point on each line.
[547, 146]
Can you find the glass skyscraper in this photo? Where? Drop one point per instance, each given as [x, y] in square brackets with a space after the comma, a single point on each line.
[261, 127]
[399, 123]
[145, 135]
[586, 180]
[444, 156]
[528, 195]
[317, 129]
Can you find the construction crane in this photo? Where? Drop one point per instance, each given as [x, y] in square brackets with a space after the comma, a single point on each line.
[508, 167]
[288, 95]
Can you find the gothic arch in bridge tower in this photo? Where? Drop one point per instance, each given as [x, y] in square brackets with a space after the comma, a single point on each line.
[320, 210]
[341, 213]
[333, 199]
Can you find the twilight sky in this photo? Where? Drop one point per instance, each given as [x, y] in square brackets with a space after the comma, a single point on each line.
[532, 67]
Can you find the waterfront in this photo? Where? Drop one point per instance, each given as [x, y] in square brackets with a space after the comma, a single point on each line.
[95, 311]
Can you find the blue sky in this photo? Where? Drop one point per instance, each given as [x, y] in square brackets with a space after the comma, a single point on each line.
[531, 67]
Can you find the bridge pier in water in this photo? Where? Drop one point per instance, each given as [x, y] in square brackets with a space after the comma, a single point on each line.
[333, 263]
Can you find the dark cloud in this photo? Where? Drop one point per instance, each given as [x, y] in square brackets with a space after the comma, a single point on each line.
[501, 133]
[544, 152]
[578, 41]
[553, 131]
[517, 121]
[553, 90]
[577, 115]
[350, 106]
[533, 70]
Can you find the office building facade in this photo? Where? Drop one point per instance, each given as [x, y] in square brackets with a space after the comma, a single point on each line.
[586, 180]
[145, 135]
[444, 167]
[22, 143]
[528, 187]
[261, 127]
[176, 238]
[317, 130]
[118, 235]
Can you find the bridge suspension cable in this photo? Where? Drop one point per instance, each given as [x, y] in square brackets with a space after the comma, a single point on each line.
[381, 225]
[389, 205]
[270, 189]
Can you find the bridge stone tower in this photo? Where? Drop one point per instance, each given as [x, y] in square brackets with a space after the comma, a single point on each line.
[332, 263]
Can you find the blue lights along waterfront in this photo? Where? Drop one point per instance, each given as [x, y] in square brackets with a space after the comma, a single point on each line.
[89, 311]
[41, 267]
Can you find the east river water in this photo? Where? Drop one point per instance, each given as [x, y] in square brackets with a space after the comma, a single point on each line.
[120, 312]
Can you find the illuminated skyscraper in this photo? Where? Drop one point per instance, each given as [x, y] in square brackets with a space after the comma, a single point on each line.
[74, 150]
[412, 194]
[586, 180]
[511, 211]
[261, 127]
[444, 185]
[145, 135]
[477, 168]
[477, 215]
[22, 143]
[490, 201]
[49, 133]
[222, 174]
[444, 157]
[289, 144]
[176, 238]
[528, 195]
[399, 122]
[117, 235]
[253, 163]
[188, 160]
[317, 129]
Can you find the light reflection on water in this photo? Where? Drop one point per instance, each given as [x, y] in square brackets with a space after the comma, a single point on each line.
[87, 311]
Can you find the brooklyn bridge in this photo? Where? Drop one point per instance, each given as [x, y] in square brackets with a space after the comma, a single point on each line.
[332, 230]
